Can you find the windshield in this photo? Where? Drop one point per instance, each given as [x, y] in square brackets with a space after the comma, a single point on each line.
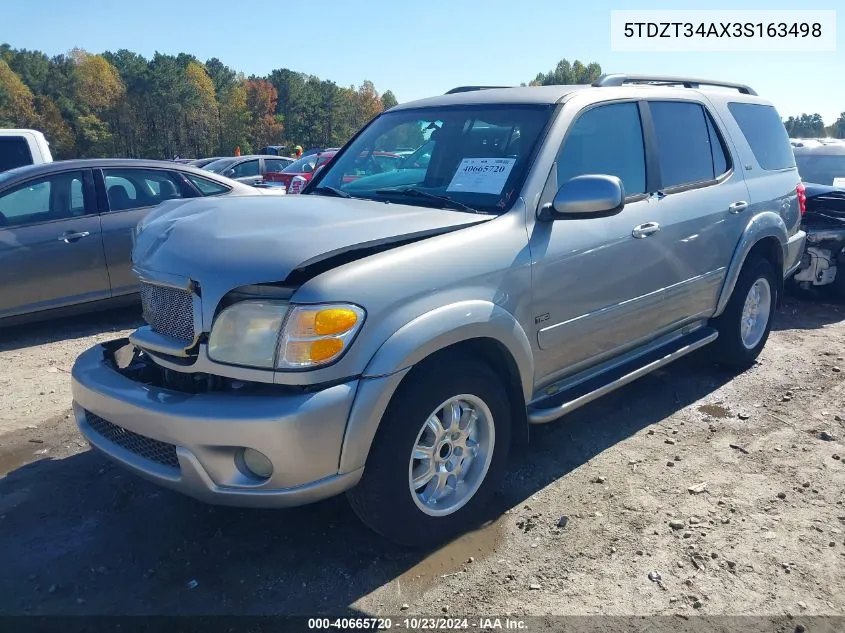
[419, 157]
[220, 165]
[303, 165]
[822, 169]
[476, 156]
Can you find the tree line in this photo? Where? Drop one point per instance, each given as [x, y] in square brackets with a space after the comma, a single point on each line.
[812, 126]
[122, 104]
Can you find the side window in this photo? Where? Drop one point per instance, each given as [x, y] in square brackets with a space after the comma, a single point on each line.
[608, 140]
[136, 188]
[246, 168]
[43, 200]
[207, 187]
[274, 165]
[163, 185]
[688, 147]
[14, 152]
[765, 133]
[130, 188]
[77, 197]
[121, 192]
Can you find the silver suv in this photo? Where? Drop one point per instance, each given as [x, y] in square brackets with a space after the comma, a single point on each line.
[393, 335]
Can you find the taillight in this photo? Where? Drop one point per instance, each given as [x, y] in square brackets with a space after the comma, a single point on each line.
[801, 190]
[297, 184]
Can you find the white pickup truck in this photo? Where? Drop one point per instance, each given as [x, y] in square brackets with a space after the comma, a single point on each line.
[23, 147]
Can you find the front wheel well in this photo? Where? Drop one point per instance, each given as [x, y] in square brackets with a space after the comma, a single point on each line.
[494, 354]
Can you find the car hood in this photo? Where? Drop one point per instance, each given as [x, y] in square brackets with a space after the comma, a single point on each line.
[223, 243]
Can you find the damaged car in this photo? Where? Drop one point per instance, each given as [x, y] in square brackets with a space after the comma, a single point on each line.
[821, 163]
[396, 341]
[823, 263]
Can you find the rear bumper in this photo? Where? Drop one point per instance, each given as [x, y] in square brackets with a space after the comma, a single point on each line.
[192, 442]
[794, 251]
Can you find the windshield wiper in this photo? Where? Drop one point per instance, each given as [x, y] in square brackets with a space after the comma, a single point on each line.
[338, 193]
[419, 193]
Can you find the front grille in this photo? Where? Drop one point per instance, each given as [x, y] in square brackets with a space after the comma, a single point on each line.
[169, 311]
[148, 448]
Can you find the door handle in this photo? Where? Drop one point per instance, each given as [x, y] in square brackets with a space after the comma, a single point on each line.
[738, 207]
[72, 236]
[644, 230]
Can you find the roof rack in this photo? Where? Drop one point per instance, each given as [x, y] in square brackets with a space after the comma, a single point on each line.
[686, 82]
[472, 88]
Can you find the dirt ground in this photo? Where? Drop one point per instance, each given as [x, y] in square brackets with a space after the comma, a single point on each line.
[691, 491]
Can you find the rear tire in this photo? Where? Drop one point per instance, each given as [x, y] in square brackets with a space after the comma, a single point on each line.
[455, 470]
[745, 324]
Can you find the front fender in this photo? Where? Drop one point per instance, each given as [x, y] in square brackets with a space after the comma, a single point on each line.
[761, 226]
[414, 342]
[452, 324]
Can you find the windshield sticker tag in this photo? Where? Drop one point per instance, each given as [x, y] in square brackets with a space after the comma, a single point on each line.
[482, 175]
[839, 182]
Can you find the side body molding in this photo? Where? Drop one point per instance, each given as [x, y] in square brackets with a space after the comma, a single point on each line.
[763, 225]
[414, 342]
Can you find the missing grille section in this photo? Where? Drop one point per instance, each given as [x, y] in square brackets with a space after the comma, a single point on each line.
[169, 311]
[153, 450]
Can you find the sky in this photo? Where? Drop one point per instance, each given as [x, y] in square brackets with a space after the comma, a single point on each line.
[418, 49]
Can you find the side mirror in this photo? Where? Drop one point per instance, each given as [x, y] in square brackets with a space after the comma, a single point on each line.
[588, 196]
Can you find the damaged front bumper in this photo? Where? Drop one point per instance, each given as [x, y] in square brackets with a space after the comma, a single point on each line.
[194, 442]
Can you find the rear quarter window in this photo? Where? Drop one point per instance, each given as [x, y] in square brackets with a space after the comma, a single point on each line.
[207, 187]
[766, 135]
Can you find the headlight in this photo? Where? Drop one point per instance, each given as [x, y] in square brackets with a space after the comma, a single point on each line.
[267, 334]
[247, 333]
[317, 335]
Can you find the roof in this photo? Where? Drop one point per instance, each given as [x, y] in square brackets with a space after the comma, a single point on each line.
[250, 156]
[45, 169]
[549, 95]
[539, 95]
[16, 131]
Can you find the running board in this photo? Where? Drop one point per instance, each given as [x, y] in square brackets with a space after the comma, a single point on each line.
[589, 390]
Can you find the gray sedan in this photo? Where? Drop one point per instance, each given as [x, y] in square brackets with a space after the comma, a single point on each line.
[66, 228]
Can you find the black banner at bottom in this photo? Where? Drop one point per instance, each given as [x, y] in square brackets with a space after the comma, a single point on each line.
[480, 624]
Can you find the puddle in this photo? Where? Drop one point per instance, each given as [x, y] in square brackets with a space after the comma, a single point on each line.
[715, 411]
[452, 558]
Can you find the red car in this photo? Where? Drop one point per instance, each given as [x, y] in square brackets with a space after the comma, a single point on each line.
[296, 175]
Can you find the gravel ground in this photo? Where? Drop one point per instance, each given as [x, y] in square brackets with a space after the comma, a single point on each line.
[690, 491]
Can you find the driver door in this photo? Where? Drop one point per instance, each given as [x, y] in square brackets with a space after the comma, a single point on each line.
[598, 281]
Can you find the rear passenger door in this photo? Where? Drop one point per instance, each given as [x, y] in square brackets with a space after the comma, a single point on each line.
[51, 251]
[126, 195]
[701, 199]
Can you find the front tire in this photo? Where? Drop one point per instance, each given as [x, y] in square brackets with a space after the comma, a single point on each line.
[745, 324]
[439, 455]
